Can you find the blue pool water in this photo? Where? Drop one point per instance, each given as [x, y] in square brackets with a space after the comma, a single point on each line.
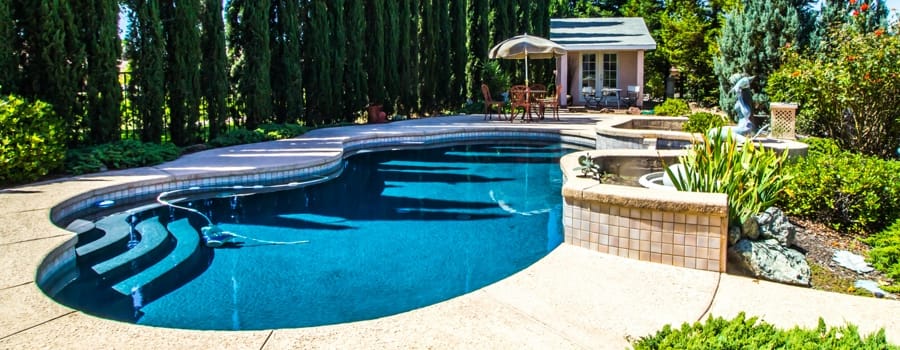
[396, 231]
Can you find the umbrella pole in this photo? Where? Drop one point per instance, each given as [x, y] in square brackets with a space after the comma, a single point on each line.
[526, 68]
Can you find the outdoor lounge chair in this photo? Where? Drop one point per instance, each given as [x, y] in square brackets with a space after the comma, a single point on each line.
[490, 104]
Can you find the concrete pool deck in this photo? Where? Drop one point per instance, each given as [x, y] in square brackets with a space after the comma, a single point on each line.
[573, 298]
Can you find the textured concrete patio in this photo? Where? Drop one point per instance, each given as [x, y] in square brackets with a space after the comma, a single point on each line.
[573, 298]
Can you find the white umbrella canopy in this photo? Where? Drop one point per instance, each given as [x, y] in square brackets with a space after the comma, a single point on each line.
[524, 47]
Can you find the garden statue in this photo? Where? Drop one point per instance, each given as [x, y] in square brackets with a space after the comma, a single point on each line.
[744, 105]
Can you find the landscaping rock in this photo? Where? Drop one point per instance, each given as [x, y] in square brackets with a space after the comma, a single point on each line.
[750, 228]
[773, 224]
[771, 261]
[734, 235]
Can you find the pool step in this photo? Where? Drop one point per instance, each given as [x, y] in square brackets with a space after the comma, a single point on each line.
[154, 243]
[159, 278]
[116, 231]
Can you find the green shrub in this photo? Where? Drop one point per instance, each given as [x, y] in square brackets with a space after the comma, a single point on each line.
[31, 140]
[848, 191]
[744, 333]
[751, 176]
[265, 132]
[848, 92]
[672, 107]
[885, 254]
[119, 155]
[701, 122]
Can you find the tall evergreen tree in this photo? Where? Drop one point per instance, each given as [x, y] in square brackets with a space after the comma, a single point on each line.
[427, 38]
[408, 59]
[458, 50]
[102, 48]
[287, 72]
[338, 54]
[53, 63]
[214, 66]
[318, 65]
[9, 62]
[183, 69]
[687, 39]
[248, 31]
[477, 12]
[442, 55]
[750, 44]
[392, 55]
[375, 55]
[354, 81]
[146, 49]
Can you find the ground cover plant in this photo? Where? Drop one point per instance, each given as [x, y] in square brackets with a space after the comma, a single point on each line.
[751, 333]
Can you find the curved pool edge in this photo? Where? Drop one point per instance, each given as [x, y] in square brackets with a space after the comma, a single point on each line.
[573, 298]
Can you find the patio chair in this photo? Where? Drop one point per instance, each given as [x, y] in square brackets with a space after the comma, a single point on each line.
[552, 102]
[490, 104]
[518, 99]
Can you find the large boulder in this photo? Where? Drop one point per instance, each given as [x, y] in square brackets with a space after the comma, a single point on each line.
[771, 261]
[773, 224]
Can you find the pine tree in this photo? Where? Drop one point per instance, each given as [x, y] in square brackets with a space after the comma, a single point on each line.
[9, 62]
[286, 69]
[442, 60]
[146, 49]
[248, 33]
[750, 44]
[102, 48]
[213, 66]
[354, 98]
[183, 69]
[427, 38]
[476, 12]
[458, 51]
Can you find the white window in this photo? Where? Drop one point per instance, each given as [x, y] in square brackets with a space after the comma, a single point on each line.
[610, 70]
[588, 72]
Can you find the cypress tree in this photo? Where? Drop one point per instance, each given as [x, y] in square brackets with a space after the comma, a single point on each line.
[458, 51]
[318, 67]
[251, 59]
[354, 99]
[408, 59]
[476, 12]
[392, 55]
[375, 61]
[183, 69]
[53, 64]
[338, 53]
[213, 66]
[287, 73]
[427, 55]
[442, 58]
[147, 53]
[750, 44]
[102, 48]
[9, 62]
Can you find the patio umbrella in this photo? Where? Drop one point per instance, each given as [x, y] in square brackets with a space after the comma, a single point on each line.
[524, 47]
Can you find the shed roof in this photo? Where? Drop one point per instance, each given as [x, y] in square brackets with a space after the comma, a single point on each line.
[596, 34]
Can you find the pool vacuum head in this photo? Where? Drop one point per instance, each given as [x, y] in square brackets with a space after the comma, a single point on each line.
[215, 237]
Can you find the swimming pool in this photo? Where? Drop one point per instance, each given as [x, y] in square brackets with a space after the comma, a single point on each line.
[396, 231]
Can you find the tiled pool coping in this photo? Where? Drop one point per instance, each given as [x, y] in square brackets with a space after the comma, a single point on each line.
[572, 299]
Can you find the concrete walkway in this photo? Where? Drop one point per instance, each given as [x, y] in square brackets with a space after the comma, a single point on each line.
[573, 298]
